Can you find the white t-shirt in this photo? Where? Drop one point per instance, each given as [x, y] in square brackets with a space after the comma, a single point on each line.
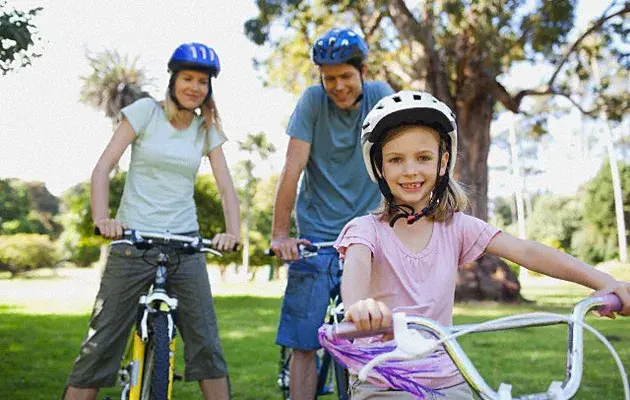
[158, 193]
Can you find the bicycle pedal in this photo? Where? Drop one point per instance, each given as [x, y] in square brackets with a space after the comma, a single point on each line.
[178, 377]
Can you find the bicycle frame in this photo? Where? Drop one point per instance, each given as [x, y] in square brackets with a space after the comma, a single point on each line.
[137, 386]
[557, 390]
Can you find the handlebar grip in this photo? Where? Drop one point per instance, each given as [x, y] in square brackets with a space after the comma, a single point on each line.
[270, 252]
[97, 231]
[347, 330]
[613, 304]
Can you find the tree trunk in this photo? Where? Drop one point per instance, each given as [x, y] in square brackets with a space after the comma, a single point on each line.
[473, 120]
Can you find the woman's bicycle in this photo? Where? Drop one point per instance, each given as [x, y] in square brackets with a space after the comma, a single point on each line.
[147, 370]
[332, 377]
[411, 344]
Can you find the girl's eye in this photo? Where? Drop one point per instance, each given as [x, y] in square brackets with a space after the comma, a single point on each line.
[424, 158]
[395, 160]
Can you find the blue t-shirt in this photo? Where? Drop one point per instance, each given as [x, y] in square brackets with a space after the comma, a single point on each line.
[335, 186]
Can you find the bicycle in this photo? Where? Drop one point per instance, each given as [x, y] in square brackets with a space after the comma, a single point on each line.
[412, 345]
[147, 370]
[331, 376]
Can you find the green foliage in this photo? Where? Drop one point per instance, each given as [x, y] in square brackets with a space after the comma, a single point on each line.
[597, 241]
[554, 220]
[502, 212]
[27, 207]
[18, 35]
[27, 252]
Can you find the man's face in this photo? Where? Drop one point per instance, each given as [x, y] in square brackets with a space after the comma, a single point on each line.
[342, 83]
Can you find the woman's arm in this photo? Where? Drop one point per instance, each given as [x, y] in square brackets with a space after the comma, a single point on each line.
[551, 262]
[365, 312]
[229, 199]
[99, 198]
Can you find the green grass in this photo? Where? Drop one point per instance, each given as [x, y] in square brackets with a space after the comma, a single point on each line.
[38, 349]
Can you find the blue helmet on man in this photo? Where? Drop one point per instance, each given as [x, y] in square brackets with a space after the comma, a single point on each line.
[340, 46]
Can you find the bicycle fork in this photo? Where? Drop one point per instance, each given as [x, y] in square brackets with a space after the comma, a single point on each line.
[134, 373]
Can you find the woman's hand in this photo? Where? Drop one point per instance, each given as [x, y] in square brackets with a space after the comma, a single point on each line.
[225, 242]
[110, 228]
[622, 290]
[369, 315]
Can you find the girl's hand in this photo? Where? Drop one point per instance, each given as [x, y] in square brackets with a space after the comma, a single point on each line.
[225, 242]
[110, 228]
[622, 290]
[369, 315]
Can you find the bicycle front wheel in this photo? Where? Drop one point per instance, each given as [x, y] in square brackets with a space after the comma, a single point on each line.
[158, 360]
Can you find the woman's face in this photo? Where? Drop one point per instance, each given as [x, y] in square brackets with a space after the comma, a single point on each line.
[410, 160]
[191, 88]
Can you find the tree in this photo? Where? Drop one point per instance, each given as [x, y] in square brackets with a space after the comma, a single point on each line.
[457, 50]
[115, 82]
[254, 145]
[18, 35]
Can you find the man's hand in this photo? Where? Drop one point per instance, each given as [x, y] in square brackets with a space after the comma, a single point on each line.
[286, 248]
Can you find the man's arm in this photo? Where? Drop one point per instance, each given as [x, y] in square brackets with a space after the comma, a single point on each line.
[297, 156]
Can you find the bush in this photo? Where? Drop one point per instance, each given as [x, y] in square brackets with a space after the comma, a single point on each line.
[26, 252]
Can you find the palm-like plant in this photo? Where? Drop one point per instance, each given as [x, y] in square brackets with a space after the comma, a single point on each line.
[115, 82]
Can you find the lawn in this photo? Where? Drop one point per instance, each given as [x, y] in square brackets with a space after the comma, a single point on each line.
[38, 348]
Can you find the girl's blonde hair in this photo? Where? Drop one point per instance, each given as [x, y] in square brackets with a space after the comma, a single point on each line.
[209, 115]
[453, 199]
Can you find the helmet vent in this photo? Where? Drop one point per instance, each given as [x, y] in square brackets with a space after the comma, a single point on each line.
[417, 97]
[366, 125]
[397, 99]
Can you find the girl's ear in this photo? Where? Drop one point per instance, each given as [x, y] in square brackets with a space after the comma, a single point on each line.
[444, 163]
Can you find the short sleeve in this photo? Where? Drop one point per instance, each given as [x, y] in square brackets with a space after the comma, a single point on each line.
[217, 138]
[302, 122]
[383, 89]
[475, 236]
[360, 230]
[139, 113]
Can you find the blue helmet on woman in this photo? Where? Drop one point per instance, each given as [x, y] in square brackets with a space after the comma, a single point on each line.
[195, 56]
[339, 46]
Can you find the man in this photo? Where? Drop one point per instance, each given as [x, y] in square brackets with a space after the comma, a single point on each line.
[325, 144]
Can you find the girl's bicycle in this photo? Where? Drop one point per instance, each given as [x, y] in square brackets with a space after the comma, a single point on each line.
[418, 337]
[147, 370]
[332, 377]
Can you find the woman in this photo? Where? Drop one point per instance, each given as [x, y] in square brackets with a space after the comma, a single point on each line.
[168, 140]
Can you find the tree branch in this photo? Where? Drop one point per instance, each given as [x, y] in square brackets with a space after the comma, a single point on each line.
[596, 25]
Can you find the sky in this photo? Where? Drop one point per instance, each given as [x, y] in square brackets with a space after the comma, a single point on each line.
[47, 135]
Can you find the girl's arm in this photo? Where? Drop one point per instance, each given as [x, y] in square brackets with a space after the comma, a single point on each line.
[229, 201]
[365, 312]
[551, 262]
[99, 198]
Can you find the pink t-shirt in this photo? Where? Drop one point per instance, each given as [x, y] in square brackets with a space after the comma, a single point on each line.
[420, 283]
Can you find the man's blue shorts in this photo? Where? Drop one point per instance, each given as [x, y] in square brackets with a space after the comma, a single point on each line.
[306, 298]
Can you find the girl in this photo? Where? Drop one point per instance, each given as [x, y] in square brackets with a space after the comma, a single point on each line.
[167, 142]
[405, 256]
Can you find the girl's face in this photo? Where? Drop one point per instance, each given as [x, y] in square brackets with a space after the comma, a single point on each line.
[410, 160]
[191, 88]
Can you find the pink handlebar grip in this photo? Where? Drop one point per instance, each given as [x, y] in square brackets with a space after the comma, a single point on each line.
[347, 330]
[613, 304]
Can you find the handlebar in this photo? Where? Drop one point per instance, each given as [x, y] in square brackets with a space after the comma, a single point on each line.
[446, 335]
[139, 238]
[305, 250]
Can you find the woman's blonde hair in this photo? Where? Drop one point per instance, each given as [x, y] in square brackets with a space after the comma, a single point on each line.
[452, 200]
[208, 111]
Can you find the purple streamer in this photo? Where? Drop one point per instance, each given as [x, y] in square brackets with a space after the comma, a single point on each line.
[394, 374]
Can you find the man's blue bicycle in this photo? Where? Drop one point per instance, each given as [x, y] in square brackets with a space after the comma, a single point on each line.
[332, 377]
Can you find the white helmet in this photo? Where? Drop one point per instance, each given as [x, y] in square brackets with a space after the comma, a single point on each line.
[407, 108]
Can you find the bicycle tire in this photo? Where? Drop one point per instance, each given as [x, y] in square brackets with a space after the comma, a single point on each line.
[283, 374]
[161, 360]
[342, 380]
